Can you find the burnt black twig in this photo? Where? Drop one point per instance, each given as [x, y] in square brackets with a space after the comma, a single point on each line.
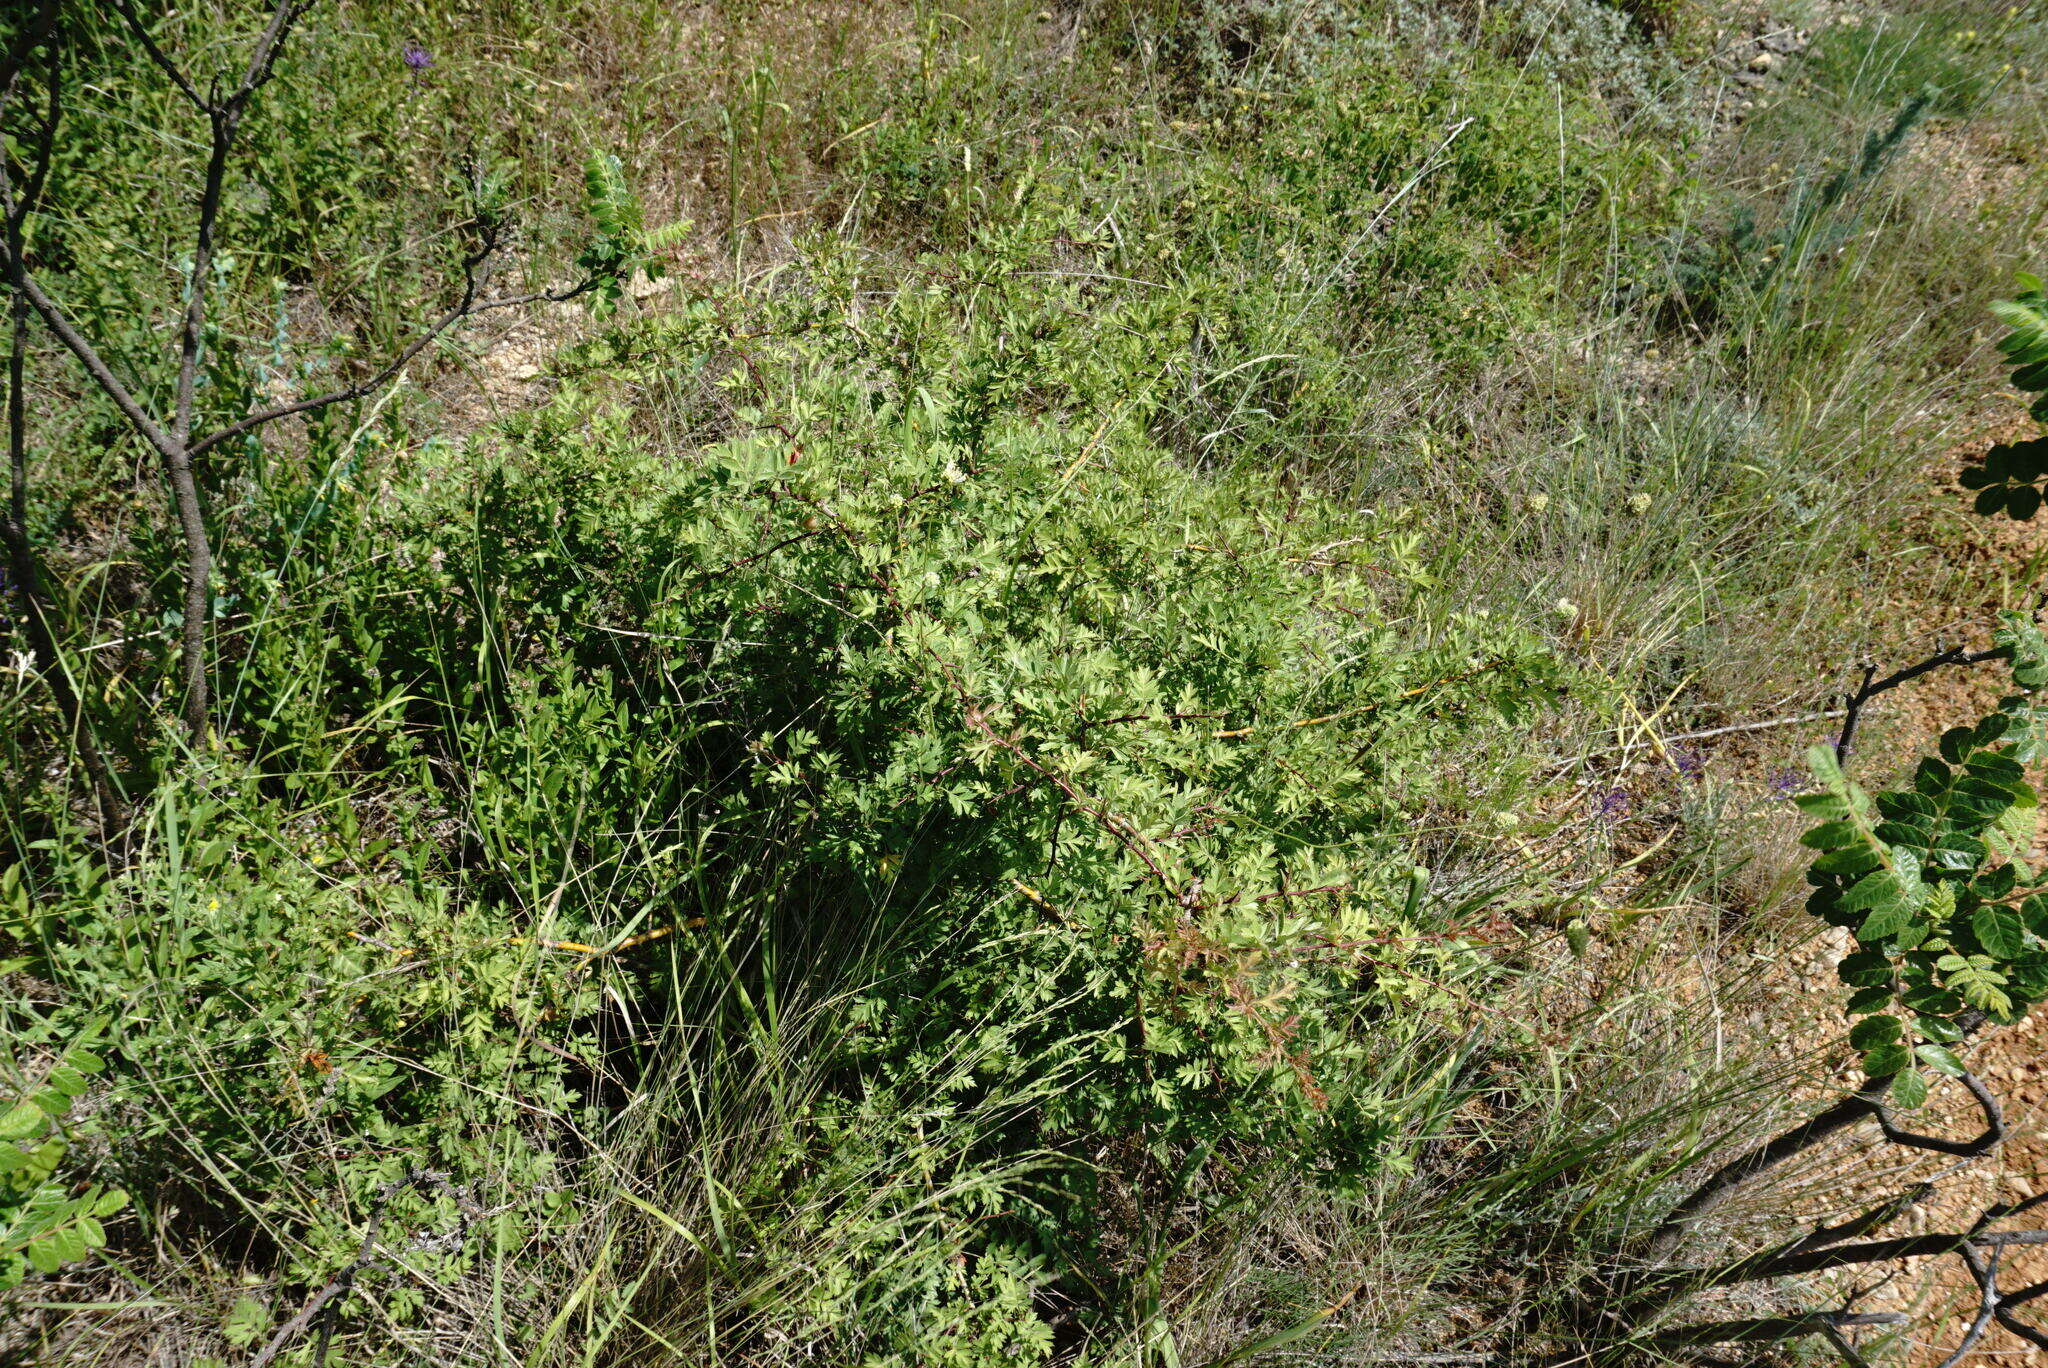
[1770, 1329]
[1854, 703]
[1994, 1126]
[1731, 1177]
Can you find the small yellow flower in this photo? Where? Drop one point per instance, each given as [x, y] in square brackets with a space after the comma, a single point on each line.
[1538, 503]
[1639, 504]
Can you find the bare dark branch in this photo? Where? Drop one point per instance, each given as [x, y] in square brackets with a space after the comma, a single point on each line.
[1726, 1181]
[1770, 1329]
[367, 1257]
[102, 375]
[1851, 1355]
[15, 59]
[158, 55]
[38, 612]
[1985, 1272]
[263, 58]
[1854, 703]
[31, 193]
[1994, 1127]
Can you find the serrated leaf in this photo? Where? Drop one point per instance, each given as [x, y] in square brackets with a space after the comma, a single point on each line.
[1903, 833]
[1940, 903]
[1999, 931]
[1942, 1058]
[1879, 890]
[1909, 1089]
[1884, 923]
[2015, 826]
[1994, 884]
[23, 1121]
[1904, 806]
[1853, 860]
[1872, 1032]
[1938, 1029]
[1932, 999]
[1821, 760]
[1931, 777]
[1885, 1060]
[1826, 806]
[1830, 836]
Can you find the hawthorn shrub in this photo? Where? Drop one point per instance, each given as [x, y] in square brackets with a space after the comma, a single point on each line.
[1180, 732]
[1086, 785]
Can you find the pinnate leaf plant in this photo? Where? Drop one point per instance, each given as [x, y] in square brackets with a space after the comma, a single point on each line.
[46, 1221]
[1951, 935]
[2009, 478]
[1949, 929]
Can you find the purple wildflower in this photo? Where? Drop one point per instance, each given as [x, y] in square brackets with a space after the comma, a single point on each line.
[1687, 761]
[1785, 784]
[416, 58]
[1611, 806]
